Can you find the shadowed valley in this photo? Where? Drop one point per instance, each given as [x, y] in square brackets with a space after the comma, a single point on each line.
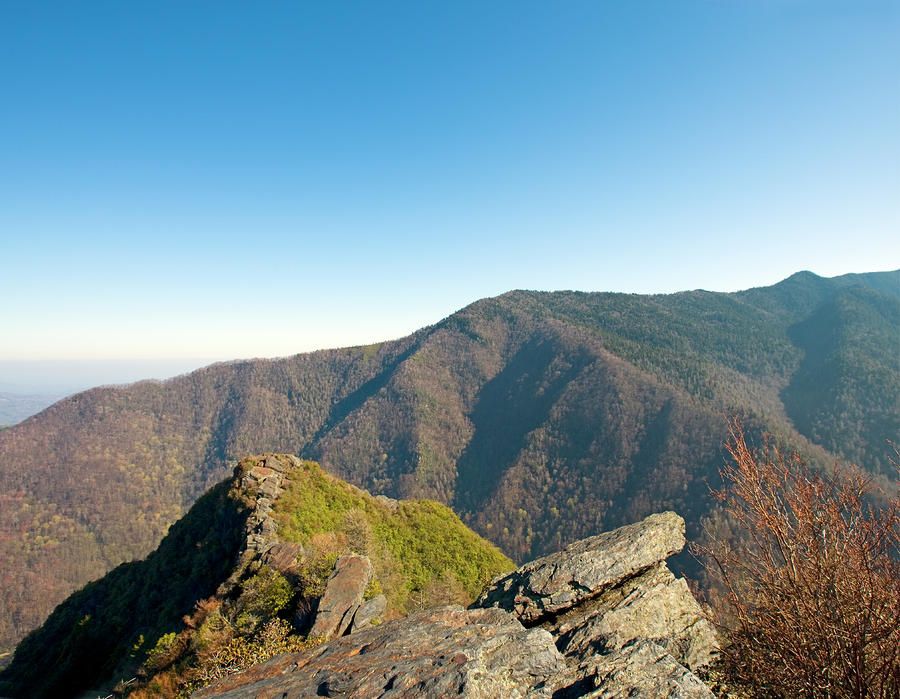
[540, 417]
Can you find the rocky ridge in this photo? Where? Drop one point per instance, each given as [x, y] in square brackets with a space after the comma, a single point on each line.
[603, 618]
[278, 558]
[260, 483]
[343, 607]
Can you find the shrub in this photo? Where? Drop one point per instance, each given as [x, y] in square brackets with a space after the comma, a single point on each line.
[273, 638]
[263, 595]
[160, 654]
[811, 581]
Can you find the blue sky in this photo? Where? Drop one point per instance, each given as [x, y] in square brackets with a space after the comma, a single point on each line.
[211, 180]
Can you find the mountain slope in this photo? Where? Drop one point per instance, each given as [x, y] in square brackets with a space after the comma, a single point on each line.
[540, 417]
[255, 549]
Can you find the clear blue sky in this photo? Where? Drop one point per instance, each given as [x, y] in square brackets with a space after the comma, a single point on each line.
[234, 179]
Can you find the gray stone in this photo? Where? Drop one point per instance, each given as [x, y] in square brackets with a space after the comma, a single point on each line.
[584, 569]
[655, 606]
[447, 652]
[390, 503]
[270, 488]
[343, 595]
[608, 619]
[642, 670]
[260, 529]
[370, 611]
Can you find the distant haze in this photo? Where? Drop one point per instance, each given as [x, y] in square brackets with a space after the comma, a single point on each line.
[62, 377]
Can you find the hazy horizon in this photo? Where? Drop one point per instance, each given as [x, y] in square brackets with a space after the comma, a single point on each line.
[261, 181]
[61, 376]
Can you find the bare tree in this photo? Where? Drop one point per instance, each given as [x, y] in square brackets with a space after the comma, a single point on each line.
[810, 578]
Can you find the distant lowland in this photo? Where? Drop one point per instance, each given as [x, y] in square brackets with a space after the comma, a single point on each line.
[15, 407]
[540, 418]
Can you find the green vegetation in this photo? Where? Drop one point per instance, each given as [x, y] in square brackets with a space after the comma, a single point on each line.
[540, 417]
[419, 549]
[844, 395]
[172, 616]
[223, 636]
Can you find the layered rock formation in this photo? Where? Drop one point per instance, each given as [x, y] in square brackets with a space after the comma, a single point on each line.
[343, 596]
[602, 618]
[542, 418]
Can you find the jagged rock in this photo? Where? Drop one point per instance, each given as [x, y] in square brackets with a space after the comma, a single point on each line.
[655, 606]
[625, 624]
[584, 569]
[343, 595]
[270, 488]
[284, 556]
[261, 531]
[642, 670]
[447, 652]
[612, 621]
[368, 612]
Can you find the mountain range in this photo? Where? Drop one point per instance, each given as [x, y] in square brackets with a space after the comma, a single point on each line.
[539, 417]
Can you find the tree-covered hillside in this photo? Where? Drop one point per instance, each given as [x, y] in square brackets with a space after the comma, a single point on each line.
[421, 553]
[540, 417]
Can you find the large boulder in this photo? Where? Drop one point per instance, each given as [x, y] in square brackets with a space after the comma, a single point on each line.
[584, 569]
[343, 595]
[654, 606]
[446, 652]
[625, 625]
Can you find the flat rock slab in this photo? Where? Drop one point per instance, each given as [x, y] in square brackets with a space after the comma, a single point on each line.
[583, 570]
[344, 593]
[447, 652]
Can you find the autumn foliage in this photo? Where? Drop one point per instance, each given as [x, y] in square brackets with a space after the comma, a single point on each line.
[809, 579]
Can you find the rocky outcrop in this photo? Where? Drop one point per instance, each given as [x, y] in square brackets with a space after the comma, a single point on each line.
[343, 596]
[448, 652]
[561, 581]
[603, 618]
[260, 481]
[654, 606]
[625, 625]
[641, 669]
[284, 557]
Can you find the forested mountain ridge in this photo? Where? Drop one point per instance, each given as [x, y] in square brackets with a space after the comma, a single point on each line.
[542, 417]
